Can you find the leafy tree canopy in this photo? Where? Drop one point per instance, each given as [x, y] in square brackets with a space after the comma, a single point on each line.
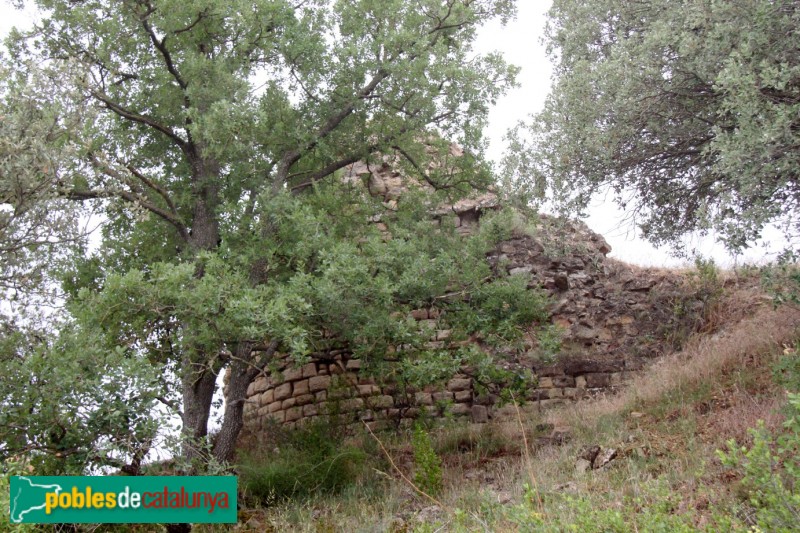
[687, 110]
[212, 135]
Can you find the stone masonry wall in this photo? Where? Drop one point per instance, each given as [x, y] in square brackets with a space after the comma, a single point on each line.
[338, 390]
[612, 317]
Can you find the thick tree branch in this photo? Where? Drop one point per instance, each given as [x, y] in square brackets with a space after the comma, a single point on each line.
[161, 46]
[266, 356]
[293, 156]
[139, 119]
[157, 188]
[128, 196]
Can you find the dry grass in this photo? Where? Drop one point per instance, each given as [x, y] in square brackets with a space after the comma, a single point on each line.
[691, 402]
[746, 327]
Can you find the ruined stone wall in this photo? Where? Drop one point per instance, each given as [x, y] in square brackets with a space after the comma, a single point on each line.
[338, 391]
[613, 318]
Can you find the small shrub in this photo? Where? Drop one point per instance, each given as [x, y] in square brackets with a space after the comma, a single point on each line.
[771, 472]
[308, 461]
[427, 464]
[782, 280]
[787, 371]
[706, 282]
[480, 443]
[549, 338]
[8, 469]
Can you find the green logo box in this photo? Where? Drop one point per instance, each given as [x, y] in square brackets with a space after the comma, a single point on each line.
[123, 499]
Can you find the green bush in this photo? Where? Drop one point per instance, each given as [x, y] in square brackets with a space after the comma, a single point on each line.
[782, 281]
[771, 472]
[304, 462]
[8, 469]
[427, 464]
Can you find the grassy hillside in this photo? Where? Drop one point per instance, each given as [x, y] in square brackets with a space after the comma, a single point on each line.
[537, 471]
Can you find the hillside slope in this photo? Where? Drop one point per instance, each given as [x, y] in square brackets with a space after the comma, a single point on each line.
[641, 459]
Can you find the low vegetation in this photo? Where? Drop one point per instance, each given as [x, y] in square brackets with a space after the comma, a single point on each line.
[705, 440]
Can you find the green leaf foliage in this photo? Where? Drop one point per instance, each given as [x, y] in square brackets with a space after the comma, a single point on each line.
[213, 139]
[686, 111]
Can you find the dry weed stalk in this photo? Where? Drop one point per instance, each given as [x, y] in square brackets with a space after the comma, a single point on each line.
[400, 472]
[528, 463]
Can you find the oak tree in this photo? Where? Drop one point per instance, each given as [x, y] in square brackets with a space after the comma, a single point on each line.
[687, 111]
[218, 135]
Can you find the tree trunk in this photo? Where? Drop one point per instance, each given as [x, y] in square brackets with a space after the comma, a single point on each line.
[198, 392]
[242, 374]
[200, 369]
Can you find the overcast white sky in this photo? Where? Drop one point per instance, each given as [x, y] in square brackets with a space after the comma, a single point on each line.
[520, 42]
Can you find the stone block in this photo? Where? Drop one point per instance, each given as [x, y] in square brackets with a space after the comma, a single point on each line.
[283, 391]
[295, 413]
[423, 398]
[580, 382]
[368, 390]
[430, 324]
[353, 404]
[274, 406]
[545, 382]
[572, 393]
[310, 410]
[486, 399]
[309, 370]
[443, 334]
[550, 403]
[367, 416]
[305, 399]
[460, 409]
[555, 393]
[556, 369]
[535, 395]
[321, 396]
[260, 384]
[293, 373]
[300, 388]
[523, 270]
[507, 411]
[353, 364]
[319, 383]
[434, 345]
[267, 397]
[575, 368]
[419, 314]
[377, 425]
[264, 411]
[443, 397]
[278, 416]
[463, 396]
[459, 384]
[288, 403]
[563, 381]
[596, 381]
[381, 402]
[480, 414]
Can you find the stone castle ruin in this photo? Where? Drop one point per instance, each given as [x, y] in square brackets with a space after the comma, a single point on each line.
[613, 319]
